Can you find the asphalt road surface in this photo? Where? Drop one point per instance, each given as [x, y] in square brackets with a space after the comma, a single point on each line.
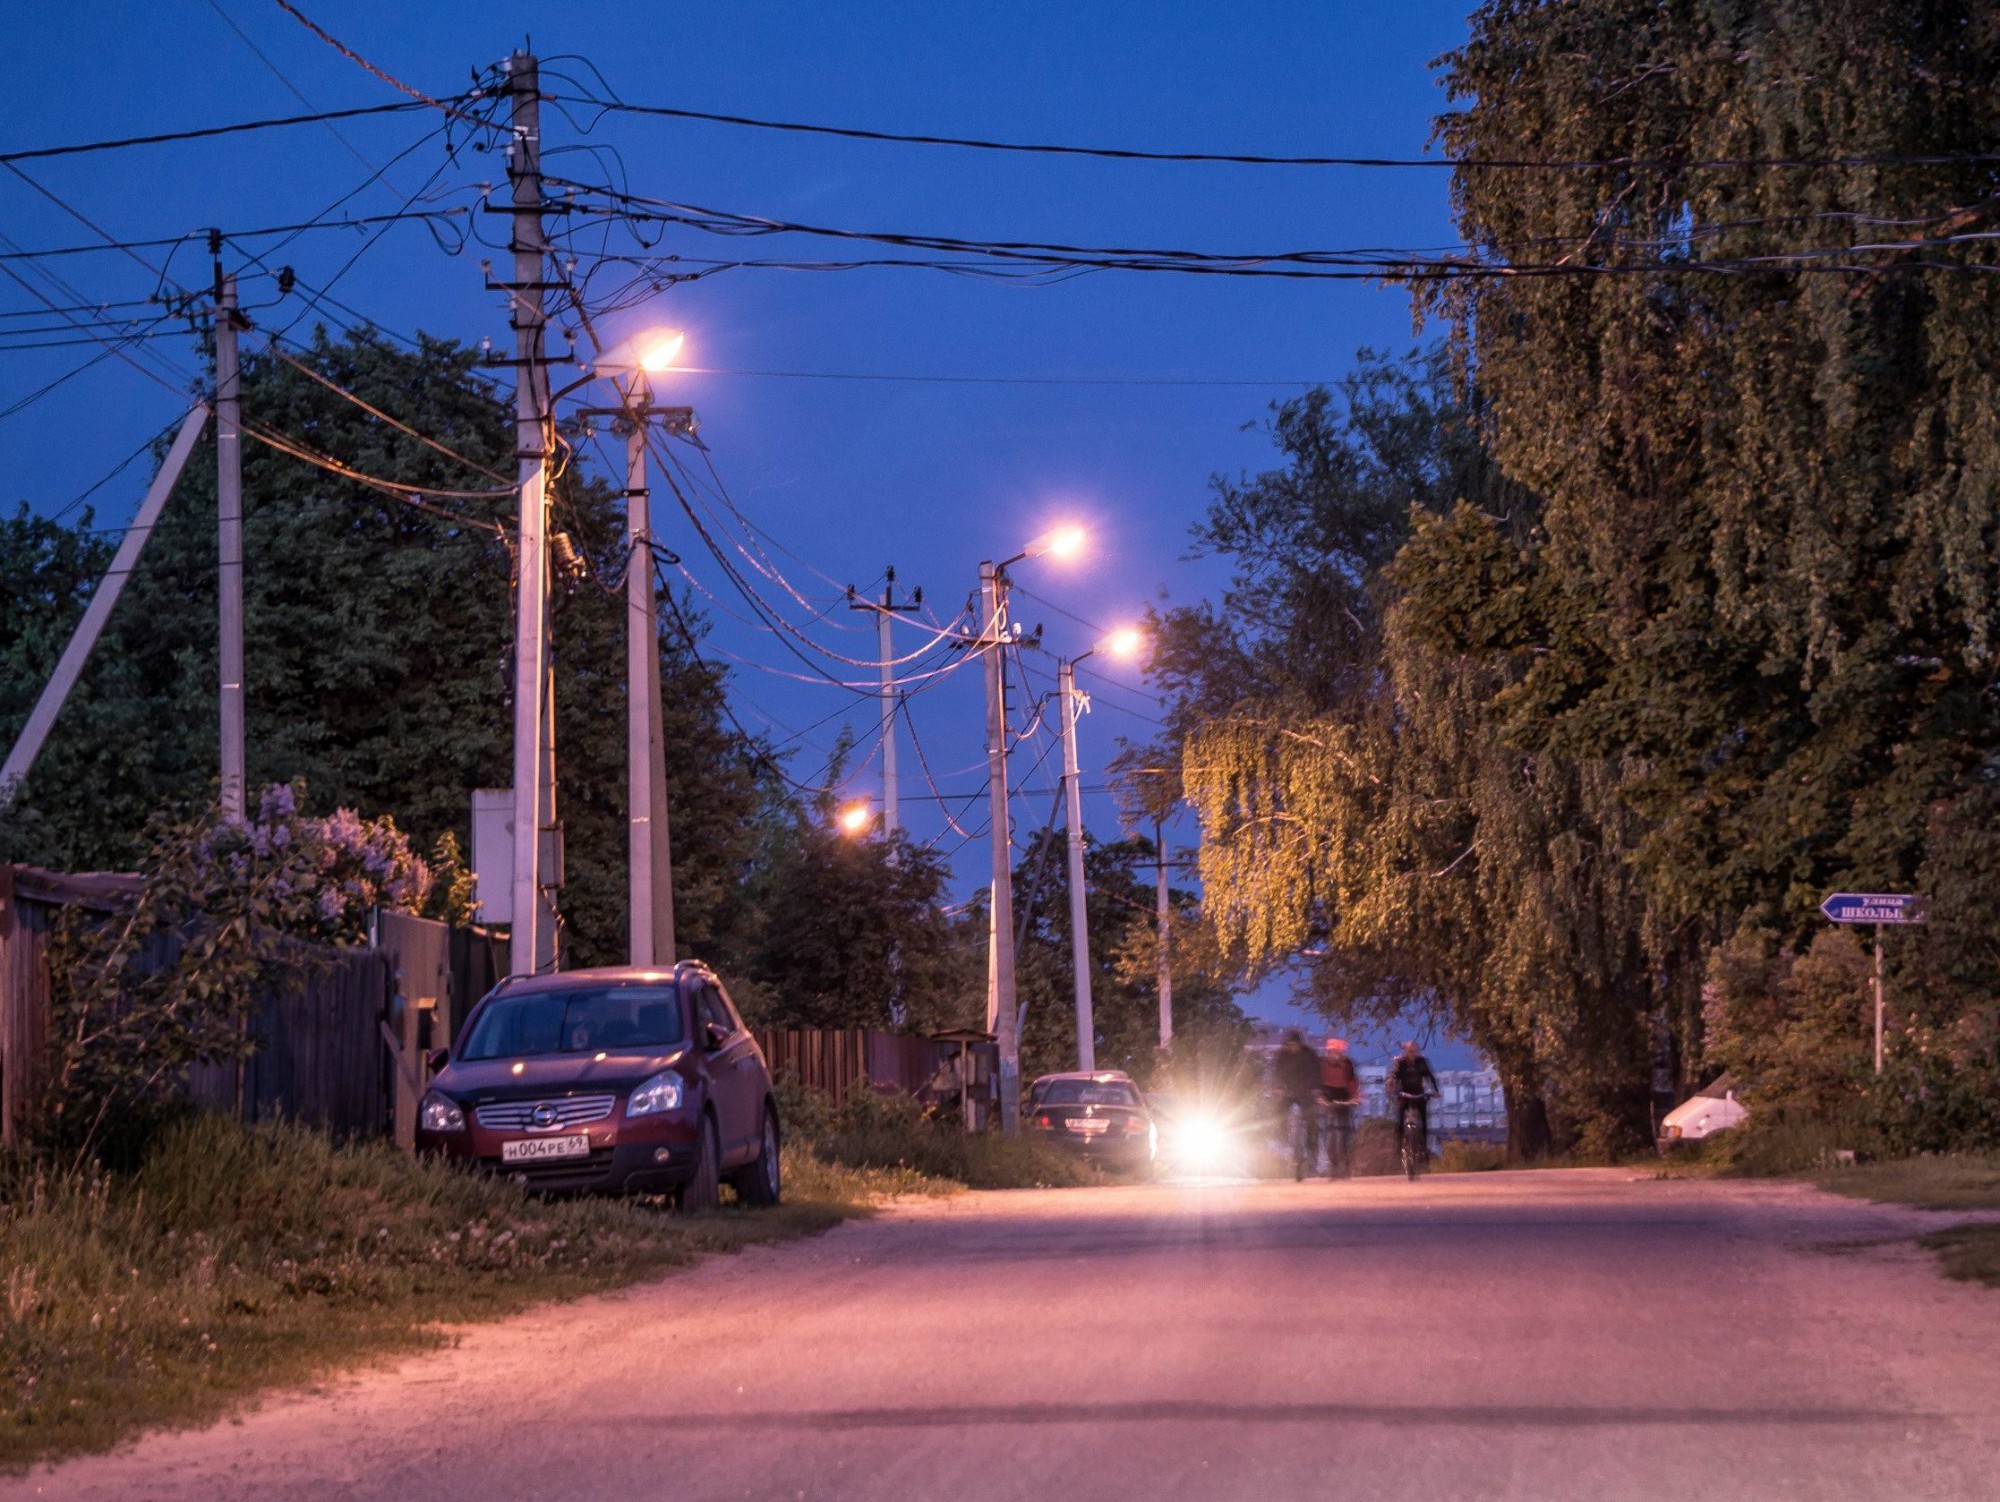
[1589, 1334]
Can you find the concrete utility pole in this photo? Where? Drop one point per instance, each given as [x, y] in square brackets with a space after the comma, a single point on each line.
[229, 538]
[652, 885]
[532, 944]
[1001, 1017]
[885, 611]
[41, 719]
[1165, 939]
[1072, 706]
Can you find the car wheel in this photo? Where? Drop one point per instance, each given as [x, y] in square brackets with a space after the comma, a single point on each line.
[699, 1192]
[758, 1182]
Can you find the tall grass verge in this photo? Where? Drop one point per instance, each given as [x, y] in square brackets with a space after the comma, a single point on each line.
[235, 1259]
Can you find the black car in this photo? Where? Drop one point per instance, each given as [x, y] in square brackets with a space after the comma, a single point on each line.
[1101, 1115]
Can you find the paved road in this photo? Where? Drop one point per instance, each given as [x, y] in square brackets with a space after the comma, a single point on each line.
[1584, 1335]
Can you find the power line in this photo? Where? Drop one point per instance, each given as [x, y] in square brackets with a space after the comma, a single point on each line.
[203, 132]
[1470, 263]
[1259, 159]
[390, 79]
[984, 380]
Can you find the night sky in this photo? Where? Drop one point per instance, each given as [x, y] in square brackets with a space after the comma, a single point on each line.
[1145, 385]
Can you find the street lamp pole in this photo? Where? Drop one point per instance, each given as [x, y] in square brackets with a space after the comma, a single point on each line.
[1001, 1017]
[1073, 705]
[652, 870]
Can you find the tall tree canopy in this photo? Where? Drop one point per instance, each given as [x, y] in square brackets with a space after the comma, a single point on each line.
[1679, 610]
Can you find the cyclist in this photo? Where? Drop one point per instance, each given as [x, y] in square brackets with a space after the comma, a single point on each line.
[1340, 1089]
[1411, 1083]
[1296, 1073]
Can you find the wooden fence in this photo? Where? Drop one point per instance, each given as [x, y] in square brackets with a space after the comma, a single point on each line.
[838, 1060]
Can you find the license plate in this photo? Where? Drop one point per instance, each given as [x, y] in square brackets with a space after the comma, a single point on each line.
[535, 1149]
[1087, 1127]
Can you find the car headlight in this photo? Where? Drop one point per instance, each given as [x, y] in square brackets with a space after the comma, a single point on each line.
[440, 1113]
[660, 1093]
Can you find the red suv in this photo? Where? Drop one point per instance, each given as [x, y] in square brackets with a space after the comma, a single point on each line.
[614, 1081]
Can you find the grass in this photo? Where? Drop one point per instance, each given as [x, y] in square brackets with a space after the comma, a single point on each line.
[1955, 1181]
[239, 1259]
[236, 1259]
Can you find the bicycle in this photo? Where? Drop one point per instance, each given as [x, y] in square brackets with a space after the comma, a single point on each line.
[1415, 1150]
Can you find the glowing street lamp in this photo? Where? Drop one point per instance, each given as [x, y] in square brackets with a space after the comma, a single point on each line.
[855, 818]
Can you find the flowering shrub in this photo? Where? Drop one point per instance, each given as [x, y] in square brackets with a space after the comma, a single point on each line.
[320, 876]
[175, 981]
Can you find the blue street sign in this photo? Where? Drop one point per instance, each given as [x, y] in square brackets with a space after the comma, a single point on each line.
[1873, 907]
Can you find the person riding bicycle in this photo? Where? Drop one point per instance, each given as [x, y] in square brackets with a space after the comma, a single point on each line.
[1340, 1090]
[1411, 1083]
[1296, 1074]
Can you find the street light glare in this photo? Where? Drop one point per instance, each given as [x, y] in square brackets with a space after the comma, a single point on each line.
[1064, 542]
[1125, 641]
[854, 818]
[660, 352]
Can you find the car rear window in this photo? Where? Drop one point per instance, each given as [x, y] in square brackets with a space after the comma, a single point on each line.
[574, 1021]
[1089, 1093]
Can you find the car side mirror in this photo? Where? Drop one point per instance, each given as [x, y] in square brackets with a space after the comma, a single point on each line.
[437, 1058]
[714, 1035]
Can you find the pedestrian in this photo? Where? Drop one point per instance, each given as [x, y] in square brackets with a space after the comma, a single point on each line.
[1340, 1088]
[1296, 1074]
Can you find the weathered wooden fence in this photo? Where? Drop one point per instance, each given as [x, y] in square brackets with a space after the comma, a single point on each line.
[339, 1037]
[839, 1060]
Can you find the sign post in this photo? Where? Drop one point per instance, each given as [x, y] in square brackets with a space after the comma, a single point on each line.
[1879, 909]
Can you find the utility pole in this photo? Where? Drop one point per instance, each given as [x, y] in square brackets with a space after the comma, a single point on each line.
[652, 884]
[1001, 1017]
[229, 537]
[532, 943]
[1072, 705]
[1165, 939]
[888, 608]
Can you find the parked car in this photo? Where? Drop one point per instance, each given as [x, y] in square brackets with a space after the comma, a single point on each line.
[1102, 1115]
[612, 1081]
[1714, 1109]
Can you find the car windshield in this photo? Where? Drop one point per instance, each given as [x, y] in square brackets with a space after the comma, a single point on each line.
[574, 1021]
[1089, 1093]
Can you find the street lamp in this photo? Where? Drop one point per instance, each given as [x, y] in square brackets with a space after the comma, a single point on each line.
[1122, 643]
[650, 892]
[855, 818]
[995, 634]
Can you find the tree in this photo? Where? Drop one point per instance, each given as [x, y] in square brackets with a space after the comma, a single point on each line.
[855, 933]
[377, 636]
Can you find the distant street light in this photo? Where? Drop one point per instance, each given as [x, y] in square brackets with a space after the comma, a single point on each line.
[855, 818]
[1125, 642]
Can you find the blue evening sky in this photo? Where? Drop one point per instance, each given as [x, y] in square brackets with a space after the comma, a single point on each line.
[849, 475]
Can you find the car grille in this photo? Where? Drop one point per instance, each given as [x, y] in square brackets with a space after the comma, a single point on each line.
[572, 1111]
